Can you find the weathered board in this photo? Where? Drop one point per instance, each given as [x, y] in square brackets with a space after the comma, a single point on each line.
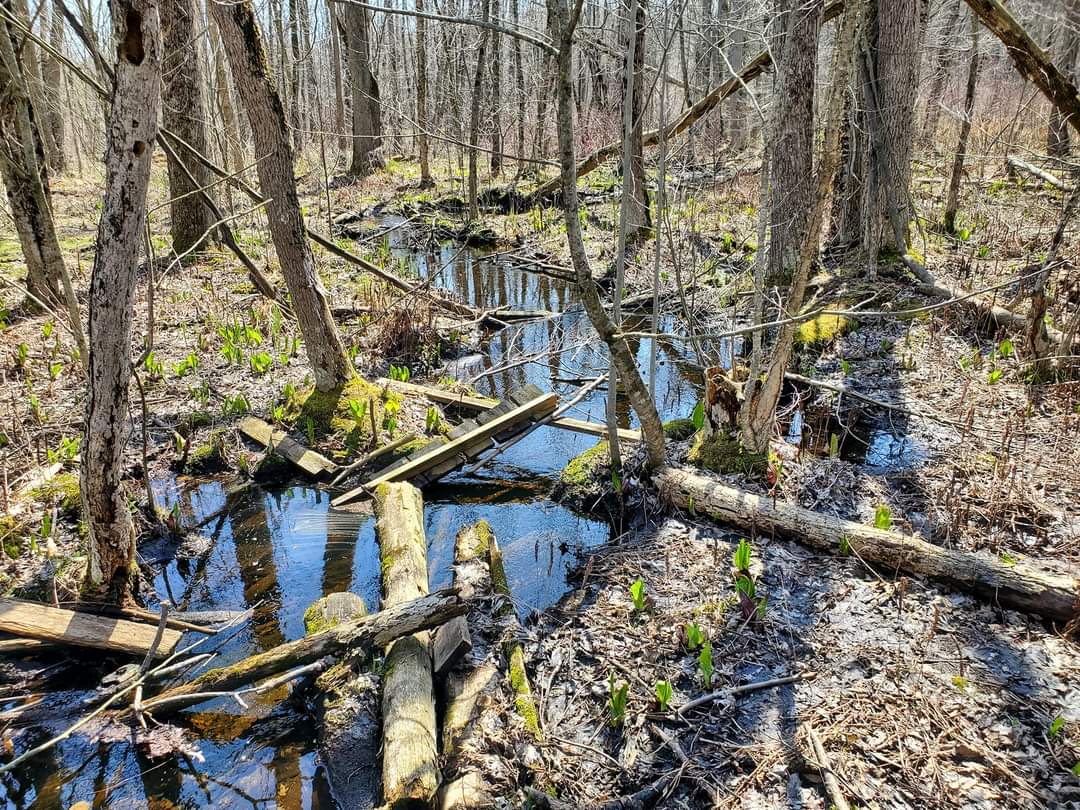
[465, 441]
[315, 465]
[33, 620]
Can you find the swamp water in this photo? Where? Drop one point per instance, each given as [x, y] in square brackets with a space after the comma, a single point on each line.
[278, 550]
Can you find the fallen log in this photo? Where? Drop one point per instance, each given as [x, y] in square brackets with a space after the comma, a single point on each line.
[1018, 165]
[1019, 586]
[410, 752]
[278, 441]
[376, 630]
[348, 711]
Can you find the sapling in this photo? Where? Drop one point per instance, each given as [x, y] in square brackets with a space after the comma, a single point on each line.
[663, 695]
[618, 697]
[637, 593]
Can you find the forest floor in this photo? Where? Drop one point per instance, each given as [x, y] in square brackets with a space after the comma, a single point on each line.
[921, 696]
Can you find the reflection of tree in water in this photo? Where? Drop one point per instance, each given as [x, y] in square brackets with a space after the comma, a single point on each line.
[342, 533]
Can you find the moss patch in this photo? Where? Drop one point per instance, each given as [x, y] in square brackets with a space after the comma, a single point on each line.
[473, 542]
[321, 414]
[723, 454]
[679, 429]
[209, 456]
[524, 704]
[583, 469]
[822, 329]
[63, 489]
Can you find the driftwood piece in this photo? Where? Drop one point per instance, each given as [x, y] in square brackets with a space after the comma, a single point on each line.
[1020, 586]
[376, 630]
[452, 643]
[36, 621]
[410, 753]
[348, 707]
[1018, 165]
[315, 465]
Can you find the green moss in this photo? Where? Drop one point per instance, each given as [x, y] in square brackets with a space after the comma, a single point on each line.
[62, 488]
[583, 469]
[208, 456]
[679, 429]
[519, 683]
[723, 454]
[316, 620]
[473, 542]
[326, 413]
[499, 583]
[822, 329]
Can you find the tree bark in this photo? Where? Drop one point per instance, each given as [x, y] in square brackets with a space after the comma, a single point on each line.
[474, 112]
[496, 100]
[247, 57]
[946, 58]
[421, 99]
[758, 412]
[638, 214]
[410, 755]
[792, 154]
[184, 113]
[52, 76]
[1057, 130]
[233, 155]
[1020, 586]
[563, 23]
[132, 131]
[953, 196]
[366, 108]
[336, 67]
[26, 178]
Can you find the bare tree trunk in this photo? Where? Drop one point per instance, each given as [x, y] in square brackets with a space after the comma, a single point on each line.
[474, 112]
[953, 196]
[1039, 342]
[759, 415]
[522, 96]
[638, 216]
[946, 58]
[496, 100]
[296, 98]
[234, 156]
[792, 167]
[247, 57]
[421, 98]
[563, 23]
[26, 178]
[336, 67]
[52, 74]
[128, 157]
[366, 109]
[184, 113]
[1057, 130]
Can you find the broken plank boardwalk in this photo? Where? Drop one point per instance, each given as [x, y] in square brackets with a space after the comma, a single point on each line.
[466, 441]
[44, 623]
[309, 461]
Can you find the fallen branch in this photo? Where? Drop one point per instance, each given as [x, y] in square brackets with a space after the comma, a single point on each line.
[1018, 165]
[832, 785]
[376, 630]
[1020, 586]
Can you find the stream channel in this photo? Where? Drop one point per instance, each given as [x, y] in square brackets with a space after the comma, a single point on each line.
[277, 550]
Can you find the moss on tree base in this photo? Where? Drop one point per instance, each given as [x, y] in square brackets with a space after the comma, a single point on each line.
[723, 454]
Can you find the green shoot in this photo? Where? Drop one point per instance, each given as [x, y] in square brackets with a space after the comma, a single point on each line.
[637, 593]
[618, 697]
[695, 636]
[883, 518]
[742, 557]
[705, 664]
[664, 694]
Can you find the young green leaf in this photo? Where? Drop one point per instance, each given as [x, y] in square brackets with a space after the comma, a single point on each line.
[705, 664]
[1056, 727]
[637, 593]
[883, 518]
[699, 415]
[664, 694]
[742, 557]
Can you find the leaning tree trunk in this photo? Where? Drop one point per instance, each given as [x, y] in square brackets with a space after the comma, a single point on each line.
[132, 130]
[637, 393]
[25, 176]
[184, 113]
[247, 57]
[366, 108]
[792, 154]
[953, 196]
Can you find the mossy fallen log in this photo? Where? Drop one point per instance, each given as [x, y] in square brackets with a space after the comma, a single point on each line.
[410, 753]
[1019, 585]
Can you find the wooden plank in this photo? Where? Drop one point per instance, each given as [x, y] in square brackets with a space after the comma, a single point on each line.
[451, 644]
[34, 620]
[540, 405]
[439, 395]
[593, 428]
[315, 465]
